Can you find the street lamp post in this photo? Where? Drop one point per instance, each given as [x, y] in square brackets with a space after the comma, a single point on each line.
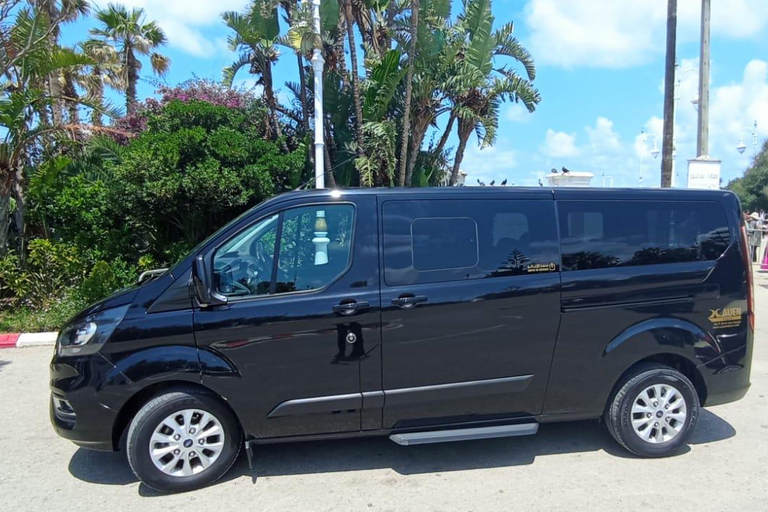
[317, 66]
[321, 239]
[655, 151]
[741, 147]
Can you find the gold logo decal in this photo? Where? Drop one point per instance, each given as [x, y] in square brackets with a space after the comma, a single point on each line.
[725, 317]
[541, 267]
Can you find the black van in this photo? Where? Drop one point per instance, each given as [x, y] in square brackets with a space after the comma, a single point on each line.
[426, 315]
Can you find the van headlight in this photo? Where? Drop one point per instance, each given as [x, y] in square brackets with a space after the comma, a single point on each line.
[87, 335]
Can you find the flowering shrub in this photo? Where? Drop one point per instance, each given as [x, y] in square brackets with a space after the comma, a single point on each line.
[192, 90]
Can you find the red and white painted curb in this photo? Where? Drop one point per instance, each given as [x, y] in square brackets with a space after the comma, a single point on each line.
[28, 339]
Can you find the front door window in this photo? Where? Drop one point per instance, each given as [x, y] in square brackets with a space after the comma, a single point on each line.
[300, 249]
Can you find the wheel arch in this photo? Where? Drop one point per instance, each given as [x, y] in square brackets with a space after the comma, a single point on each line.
[675, 361]
[132, 406]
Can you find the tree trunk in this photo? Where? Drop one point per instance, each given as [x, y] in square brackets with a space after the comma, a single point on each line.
[71, 99]
[19, 214]
[269, 92]
[303, 92]
[669, 94]
[338, 48]
[355, 84]
[57, 108]
[465, 130]
[401, 182]
[447, 133]
[330, 179]
[418, 132]
[97, 96]
[133, 78]
[5, 220]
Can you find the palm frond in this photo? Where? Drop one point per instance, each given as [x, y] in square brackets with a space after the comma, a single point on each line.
[229, 72]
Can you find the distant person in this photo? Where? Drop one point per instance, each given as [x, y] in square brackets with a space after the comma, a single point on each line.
[755, 235]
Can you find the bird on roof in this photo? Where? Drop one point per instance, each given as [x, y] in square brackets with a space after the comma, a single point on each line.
[566, 171]
[540, 183]
[554, 171]
[480, 182]
[504, 182]
[493, 182]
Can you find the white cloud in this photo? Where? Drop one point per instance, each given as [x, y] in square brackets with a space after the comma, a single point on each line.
[733, 110]
[650, 138]
[734, 107]
[489, 164]
[560, 144]
[517, 113]
[625, 33]
[602, 138]
[182, 21]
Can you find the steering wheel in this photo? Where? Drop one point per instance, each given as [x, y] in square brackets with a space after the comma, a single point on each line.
[240, 290]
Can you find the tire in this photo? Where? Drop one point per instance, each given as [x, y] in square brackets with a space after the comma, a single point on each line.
[208, 442]
[644, 392]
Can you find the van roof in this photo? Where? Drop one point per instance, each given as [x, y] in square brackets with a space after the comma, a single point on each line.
[669, 194]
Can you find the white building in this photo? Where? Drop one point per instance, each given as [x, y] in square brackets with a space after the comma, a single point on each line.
[459, 181]
[569, 179]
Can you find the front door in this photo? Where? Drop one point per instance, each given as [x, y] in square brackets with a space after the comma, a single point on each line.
[471, 306]
[302, 313]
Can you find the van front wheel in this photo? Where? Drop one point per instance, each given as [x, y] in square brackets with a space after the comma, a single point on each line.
[183, 440]
[654, 411]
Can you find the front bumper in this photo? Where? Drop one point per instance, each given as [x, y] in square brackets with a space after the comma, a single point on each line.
[83, 408]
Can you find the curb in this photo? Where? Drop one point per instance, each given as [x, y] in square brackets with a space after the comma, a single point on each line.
[28, 339]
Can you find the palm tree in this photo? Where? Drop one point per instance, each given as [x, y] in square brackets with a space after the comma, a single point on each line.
[105, 69]
[255, 36]
[356, 93]
[401, 178]
[27, 61]
[132, 36]
[64, 11]
[438, 49]
[478, 87]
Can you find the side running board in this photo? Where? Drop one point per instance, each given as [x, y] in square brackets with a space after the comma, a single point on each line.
[464, 434]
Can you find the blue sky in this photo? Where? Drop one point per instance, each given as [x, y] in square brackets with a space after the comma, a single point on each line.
[600, 68]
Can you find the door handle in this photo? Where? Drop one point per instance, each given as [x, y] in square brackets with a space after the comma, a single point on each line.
[406, 301]
[350, 307]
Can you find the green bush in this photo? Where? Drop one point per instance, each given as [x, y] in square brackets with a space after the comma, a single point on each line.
[50, 318]
[83, 212]
[102, 212]
[105, 279]
[196, 166]
[13, 282]
[52, 269]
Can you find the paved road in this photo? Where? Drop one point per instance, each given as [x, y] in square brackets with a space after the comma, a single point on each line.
[571, 467]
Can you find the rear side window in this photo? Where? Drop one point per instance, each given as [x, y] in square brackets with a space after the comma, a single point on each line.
[430, 237]
[439, 241]
[602, 234]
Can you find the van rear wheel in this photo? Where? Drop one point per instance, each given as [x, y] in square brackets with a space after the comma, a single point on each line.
[183, 440]
[654, 411]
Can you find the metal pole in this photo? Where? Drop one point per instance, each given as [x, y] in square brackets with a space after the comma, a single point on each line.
[702, 145]
[678, 83]
[754, 140]
[317, 66]
[669, 96]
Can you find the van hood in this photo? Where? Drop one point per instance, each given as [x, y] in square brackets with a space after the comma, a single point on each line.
[119, 298]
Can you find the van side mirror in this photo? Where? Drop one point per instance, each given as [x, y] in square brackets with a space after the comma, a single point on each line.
[202, 284]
